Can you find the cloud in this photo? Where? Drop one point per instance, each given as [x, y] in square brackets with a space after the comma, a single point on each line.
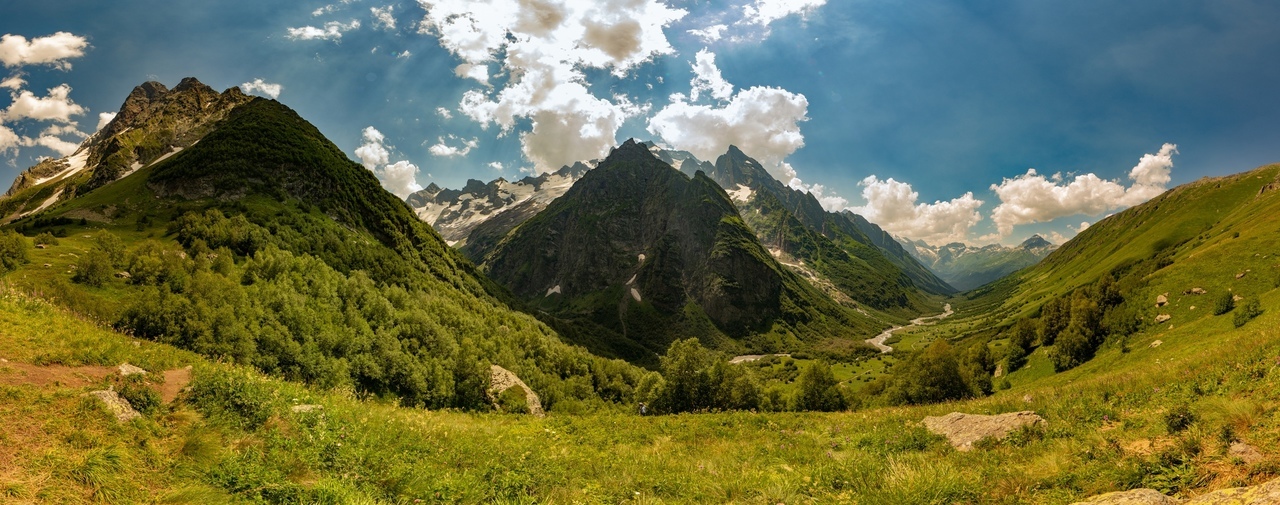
[546, 46]
[331, 31]
[831, 202]
[444, 113]
[497, 165]
[57, 106]
[893, 205]
[105, 118]
[324, 10]
[763, 121]
[706, 77]
[382, 17]
[404, 55]
[441, 148]
[53, 50]
[765, 12]
[9, 141]
[372, 153]
[400, 178]
[62, 147]
[710, 34]
[1034, 198]
[13, 82]
[263, 87]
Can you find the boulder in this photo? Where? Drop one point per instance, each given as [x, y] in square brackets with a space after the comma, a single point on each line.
[123, 275]
[1132, 497]
[1263, 494]
[117, 405]
[1162, 318]
[1236, 298]
[127, 370]
[1156, 343]
[1162, 300]
[501, 379]
[1245, 452]
[963, 430]
[1195, 291]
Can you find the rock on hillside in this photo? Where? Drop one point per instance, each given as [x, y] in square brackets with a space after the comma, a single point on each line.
[1263, 494]
[964, 430]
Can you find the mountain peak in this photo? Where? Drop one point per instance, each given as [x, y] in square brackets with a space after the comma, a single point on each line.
[630, 151]
[1036, 241]
[191, 83]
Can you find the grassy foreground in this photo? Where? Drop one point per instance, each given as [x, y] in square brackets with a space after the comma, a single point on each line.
[234, 437]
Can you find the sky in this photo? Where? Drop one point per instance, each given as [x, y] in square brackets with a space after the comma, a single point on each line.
[973, 121]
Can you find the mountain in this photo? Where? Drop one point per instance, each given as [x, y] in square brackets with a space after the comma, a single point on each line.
[792, 223]
[154, 122]
[264, 244]
[650, 254]
[965, 267]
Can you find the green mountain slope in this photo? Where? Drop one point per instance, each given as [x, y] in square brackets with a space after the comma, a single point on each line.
[966, 267]
[264, 244]
[648, 254]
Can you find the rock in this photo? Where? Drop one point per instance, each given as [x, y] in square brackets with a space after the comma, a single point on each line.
[1162, 318]
[41, 246]
[963, 430]
[1241, 275]
[1194, 291]
[123, 275]
[127, 370]
[1132, 497]
[1236, 298]
[1193, 307]
[1162, 300]
[1263, 494]
[117, 405]
[1156, 344]
[1247, 453]
[47, 265]
[307, 407]
[1027, 398]
[501, 379]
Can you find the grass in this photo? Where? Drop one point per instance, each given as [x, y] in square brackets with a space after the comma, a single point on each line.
[235, 437]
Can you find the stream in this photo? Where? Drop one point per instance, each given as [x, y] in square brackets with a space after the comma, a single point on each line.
[878, 341]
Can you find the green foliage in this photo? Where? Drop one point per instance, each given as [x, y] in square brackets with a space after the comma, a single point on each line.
[1250, 310]
[817, 389]
[46, 238]
[695, 378]
[142, 398]
[513, 401]
[930, 376]
[976, 367]
[1179, 418]
[93, 268]
[13, 251]
[1073, 347]
[1055, 315]
[1224, 303]
[1022, 338]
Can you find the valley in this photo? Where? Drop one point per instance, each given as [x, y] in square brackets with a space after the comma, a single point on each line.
[312, 338]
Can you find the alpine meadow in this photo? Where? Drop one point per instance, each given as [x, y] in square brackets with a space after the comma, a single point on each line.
[735, 251]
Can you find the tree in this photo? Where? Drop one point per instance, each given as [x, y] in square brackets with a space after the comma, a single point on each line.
[817, 389]
[13, 251]
[930, 376]
[1054, 317]
[976, 367]
[1073, 348]
[687, 371]
[1250, 310]
[93, 268]
[1224, 303]
[1022, 338]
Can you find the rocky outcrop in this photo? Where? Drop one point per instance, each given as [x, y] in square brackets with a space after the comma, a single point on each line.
[117, 405]
[501, 379]
[1162, 300]
[1162, 318]
[1263, 494]
[964, 430]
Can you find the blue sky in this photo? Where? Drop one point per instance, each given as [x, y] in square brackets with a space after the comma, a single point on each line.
[865, 103]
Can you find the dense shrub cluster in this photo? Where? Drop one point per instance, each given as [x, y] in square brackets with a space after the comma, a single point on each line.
[13, 251]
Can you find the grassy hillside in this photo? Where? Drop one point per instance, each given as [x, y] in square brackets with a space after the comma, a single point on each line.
[235, 437]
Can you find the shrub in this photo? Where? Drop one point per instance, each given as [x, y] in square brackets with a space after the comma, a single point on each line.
[13, 251]
[513, 401]
[1250, 310]
[1224, 303]
[930, 376]
[817, 389]
[46, 238]
[93, 268]
[1179, 418]
[142, 398]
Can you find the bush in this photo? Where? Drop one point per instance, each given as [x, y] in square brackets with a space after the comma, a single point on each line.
[93, 268]
[817, 389]
[930, 376]
[46, 238]
[142, 398]
[1224, 303]
[1179, 418]
[1250, 310]
[13, 251]
[513, 401]
[1073, 348]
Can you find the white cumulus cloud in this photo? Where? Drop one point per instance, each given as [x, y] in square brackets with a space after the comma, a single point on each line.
[105, 118]
[545, 46]
[444, 113]
[442, 147]
[57, 106]
[262, 87]
[53, 50]
[330, 31]
[894, 206]
[13, 82]
[9, 141]
[497, 165]
[765, 12]
[400, 178]
[706, 77]
[383, 17]
[710, 34]
[1034, 198]
[763, 121]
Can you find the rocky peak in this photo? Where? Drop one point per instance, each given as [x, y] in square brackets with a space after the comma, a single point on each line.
[191, 83]
[630, 152]
[1035, 242]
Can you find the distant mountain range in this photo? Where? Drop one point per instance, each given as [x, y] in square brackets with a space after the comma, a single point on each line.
[965, 267]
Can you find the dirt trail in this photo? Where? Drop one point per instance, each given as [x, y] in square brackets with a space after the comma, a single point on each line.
[879, 340]
[13, 373]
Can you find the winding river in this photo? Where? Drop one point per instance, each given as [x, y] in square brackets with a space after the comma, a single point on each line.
[878, 341]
